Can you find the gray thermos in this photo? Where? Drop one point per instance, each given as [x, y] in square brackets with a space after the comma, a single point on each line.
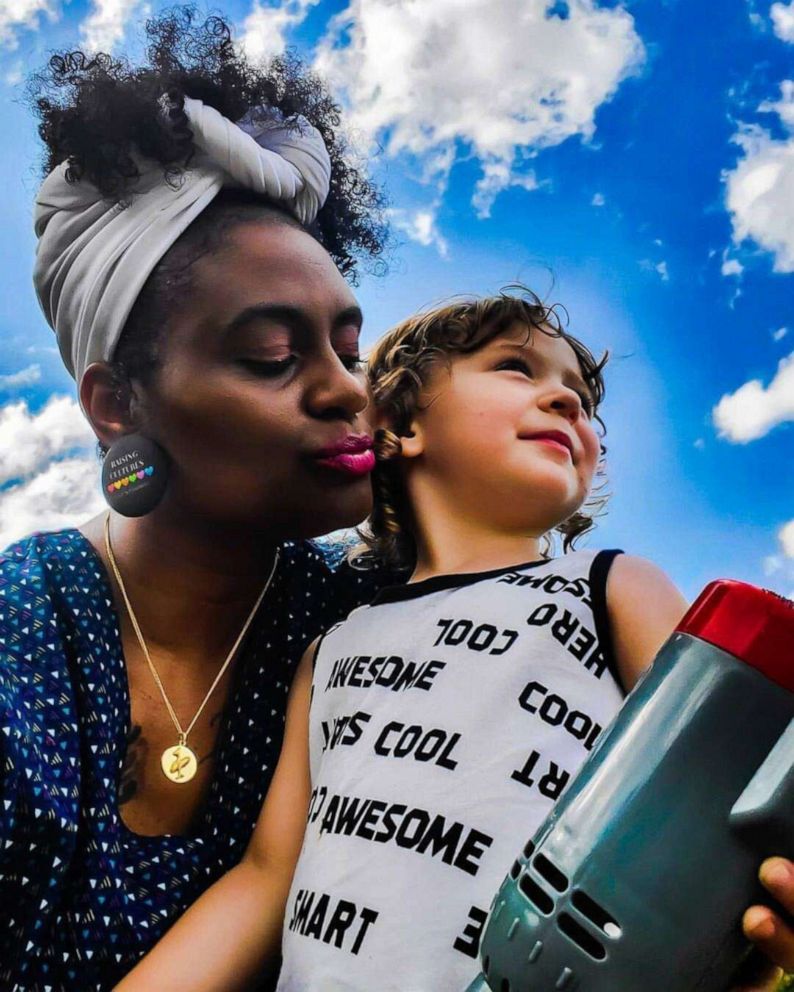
[639, 877]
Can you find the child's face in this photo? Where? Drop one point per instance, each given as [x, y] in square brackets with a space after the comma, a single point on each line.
[476, 444]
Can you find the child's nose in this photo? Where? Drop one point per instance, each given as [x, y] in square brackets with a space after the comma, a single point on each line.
[563, 400]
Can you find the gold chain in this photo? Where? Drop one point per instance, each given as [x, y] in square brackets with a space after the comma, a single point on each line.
[179, 762]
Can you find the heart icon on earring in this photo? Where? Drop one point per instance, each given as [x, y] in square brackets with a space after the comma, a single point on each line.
[140, 456]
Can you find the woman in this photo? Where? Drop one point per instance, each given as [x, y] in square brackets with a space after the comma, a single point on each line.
[201, 316]
[202, 309]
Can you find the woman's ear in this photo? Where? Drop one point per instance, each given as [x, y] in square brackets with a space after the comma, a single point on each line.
[106, 403]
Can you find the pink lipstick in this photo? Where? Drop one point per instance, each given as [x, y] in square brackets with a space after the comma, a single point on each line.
[352, 455]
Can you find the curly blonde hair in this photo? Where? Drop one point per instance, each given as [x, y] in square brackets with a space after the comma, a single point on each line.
[399, 367]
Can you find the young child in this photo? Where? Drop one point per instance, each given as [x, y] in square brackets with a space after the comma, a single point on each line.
[430, 733]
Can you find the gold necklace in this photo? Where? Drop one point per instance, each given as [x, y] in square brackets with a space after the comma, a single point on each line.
[179, 762]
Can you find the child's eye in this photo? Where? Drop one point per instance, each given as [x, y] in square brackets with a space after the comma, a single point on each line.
[516, 365]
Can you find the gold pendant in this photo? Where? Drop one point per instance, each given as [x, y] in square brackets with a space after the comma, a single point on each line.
[179, 763]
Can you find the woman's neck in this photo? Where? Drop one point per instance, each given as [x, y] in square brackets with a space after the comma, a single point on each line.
[191, 587]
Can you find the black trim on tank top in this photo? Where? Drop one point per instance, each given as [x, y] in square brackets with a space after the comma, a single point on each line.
[599, 572]
[436, 583]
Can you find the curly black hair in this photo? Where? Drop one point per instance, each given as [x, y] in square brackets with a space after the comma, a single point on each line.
[97, 111]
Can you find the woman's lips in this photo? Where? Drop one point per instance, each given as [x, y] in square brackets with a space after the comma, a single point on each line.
[352, 455]
[359, 463]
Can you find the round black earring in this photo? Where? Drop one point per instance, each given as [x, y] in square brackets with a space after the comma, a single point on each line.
[134, 475]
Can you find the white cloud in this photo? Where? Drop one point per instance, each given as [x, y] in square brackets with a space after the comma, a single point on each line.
[37, 349]
[420, 226]
[48, 459]
[754, 409]
[29, 441]
[265, 28]
[779, 567]
[62, 495]
[760, 189]
[772, 564]
[660, 268]
[462, 77]
[14, 75]
[17, 14]
[783, 19]
[598, 200]
[498, 176]
[104, 27]
[779, 334]
[17, 380]
[732, 267]
[786, 537]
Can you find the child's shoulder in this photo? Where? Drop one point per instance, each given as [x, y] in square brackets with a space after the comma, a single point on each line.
[633, 578]
[644, 607]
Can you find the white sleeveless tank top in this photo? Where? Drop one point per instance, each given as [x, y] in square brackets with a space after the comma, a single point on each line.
[446, 719]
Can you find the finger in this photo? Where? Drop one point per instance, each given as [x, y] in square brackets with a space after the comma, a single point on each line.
[777, 876]
[769, 985]
[771, 936]
[758, 974]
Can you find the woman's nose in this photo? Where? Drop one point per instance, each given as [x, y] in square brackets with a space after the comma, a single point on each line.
[335, 391]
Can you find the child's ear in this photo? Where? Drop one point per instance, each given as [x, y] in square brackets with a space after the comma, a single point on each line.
[412, 441]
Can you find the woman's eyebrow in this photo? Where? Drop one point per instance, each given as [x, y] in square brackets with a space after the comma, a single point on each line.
[290, 315]
[283, 313]
[350, 315]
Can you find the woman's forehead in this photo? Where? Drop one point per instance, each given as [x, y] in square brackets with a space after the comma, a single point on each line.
[277, 267]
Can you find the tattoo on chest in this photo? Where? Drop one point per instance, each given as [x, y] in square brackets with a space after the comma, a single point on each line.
[132, 770]
[214, 722]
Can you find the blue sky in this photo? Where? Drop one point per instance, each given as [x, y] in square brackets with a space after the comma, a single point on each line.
[632, 161]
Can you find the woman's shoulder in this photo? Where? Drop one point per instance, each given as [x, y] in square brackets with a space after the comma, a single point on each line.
[41, 552]
[39, 571]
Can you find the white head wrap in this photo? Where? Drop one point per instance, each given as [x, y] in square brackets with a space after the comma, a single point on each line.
[94, 255]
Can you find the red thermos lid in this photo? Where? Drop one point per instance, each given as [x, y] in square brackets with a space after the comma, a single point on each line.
[752, 624]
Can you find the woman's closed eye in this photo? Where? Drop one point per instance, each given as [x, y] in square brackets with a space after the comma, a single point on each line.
[270, 368]
[353, 363]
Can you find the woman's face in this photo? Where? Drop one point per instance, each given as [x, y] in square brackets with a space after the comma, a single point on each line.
[258, 378]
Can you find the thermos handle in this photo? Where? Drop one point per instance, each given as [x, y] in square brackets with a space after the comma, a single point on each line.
[766, 807]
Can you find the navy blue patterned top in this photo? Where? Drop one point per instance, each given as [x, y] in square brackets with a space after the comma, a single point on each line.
[81, 896]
